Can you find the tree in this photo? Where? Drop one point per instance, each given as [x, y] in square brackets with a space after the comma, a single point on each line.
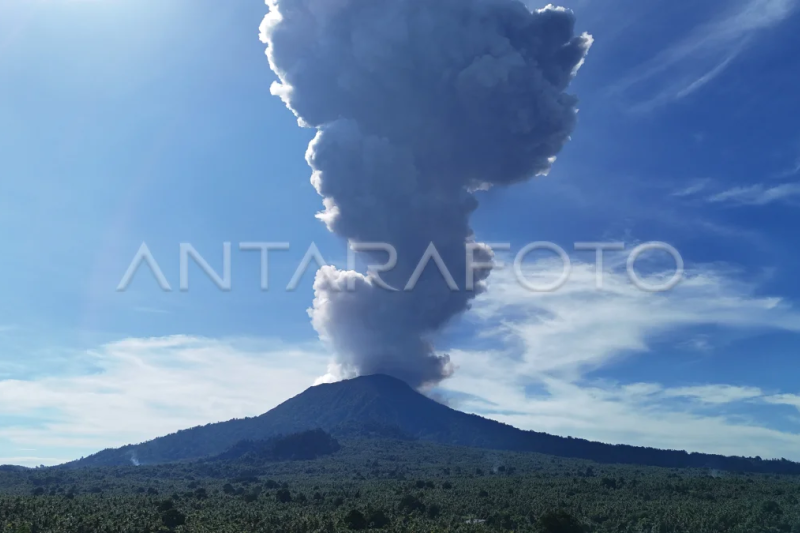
[378, 519]
[173, 518]
[560, 522]
[355, 520]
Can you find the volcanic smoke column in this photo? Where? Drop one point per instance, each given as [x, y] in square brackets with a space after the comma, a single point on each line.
[416, 103]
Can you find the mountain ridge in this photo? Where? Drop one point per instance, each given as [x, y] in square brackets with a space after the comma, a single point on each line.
[385, 407]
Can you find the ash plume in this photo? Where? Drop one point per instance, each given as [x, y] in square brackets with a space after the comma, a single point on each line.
[416, 103]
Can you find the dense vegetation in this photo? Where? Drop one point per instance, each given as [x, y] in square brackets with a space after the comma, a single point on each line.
[386, 407]
[395, 485]
[298, 446]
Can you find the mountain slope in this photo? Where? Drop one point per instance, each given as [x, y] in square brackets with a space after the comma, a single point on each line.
[395, 409]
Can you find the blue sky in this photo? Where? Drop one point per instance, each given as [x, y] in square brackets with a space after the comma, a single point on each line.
[141, 121]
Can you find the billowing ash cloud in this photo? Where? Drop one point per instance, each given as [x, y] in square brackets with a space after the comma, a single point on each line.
[416, 104]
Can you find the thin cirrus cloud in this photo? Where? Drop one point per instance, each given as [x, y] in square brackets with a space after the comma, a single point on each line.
[715, 394]
[539, 375]
[758, 195]
[692, 189]
[700, 57]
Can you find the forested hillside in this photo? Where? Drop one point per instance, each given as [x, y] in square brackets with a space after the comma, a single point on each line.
[401, 486]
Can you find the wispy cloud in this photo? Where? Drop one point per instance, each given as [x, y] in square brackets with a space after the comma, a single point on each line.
[758, 194]
[705, 53]
[621, 414]
[30, 461]
[792, 400]
[145, 388]
[715, 394]
[790, 171]
[551, 343]
[708, 191]
[579, 327]
[692, 189]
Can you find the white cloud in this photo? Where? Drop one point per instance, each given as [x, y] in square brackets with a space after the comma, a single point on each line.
[792, 400]
[621, 415]
[692, 189]
[29, 461]
[758, 194]
[715, 394]
[705, 53]
[146, 388]
[580, 327]
[540, 376]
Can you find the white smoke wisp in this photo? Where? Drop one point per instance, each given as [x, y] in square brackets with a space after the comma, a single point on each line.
[417, 103]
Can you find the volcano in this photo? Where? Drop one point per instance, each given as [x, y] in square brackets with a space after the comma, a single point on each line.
[383, 407]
